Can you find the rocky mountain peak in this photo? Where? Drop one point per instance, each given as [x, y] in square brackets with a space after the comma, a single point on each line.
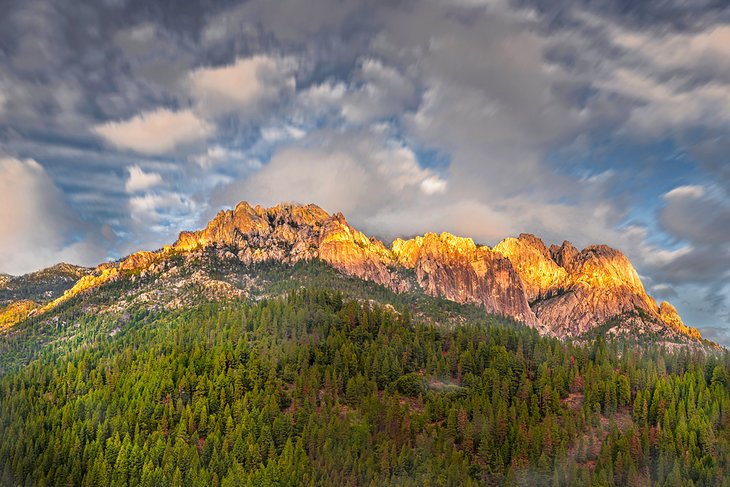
[565, 255]
[236, 227]
[559, 290]
[603, 267]
[573, 291]
[457, 269]
[540, 274]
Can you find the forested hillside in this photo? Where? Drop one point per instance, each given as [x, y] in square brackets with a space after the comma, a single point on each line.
[314, 388]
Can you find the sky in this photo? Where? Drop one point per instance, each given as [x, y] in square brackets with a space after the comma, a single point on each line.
[123, 122]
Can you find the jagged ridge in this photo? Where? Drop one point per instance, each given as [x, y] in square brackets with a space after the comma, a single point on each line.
[558, 290]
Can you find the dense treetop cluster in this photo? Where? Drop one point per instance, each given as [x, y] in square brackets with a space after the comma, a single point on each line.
[315, 388]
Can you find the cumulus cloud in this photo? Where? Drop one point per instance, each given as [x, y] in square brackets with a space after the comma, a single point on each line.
[38, 228]
[242, 86]
[217, 155]
[165, 212]
[156, 132]
[358, 174]
[139, 180]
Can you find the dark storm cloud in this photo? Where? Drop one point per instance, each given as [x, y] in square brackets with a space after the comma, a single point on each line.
[663, 14]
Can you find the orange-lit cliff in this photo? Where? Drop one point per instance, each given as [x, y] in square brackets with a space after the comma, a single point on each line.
[559, 290]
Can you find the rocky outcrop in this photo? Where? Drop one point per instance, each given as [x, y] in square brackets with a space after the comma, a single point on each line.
[565, 255]
[603, 284]
[572, 292]
[351, 252]
[138, 260]
[284, 225]
[669, 315]
[290, 233]
[541, 276]
[458, 270]
[40, 286]
[559, 290]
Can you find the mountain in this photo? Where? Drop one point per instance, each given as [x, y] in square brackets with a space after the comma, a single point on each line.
[560, 290]
[41, 285]
[21, 295]
[572, 292]
[281, 346]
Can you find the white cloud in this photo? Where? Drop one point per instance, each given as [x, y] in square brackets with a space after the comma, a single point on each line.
[399, 168]
[156, 132]
[358, 174]
[666, 105]
[704, 49]
[221, 157]
[281, 132]
[666, 81]
[240, 87]
[433, 185]
[691, 191]
[165, 213]
[38, 229]
[139, 180]
[375, 91]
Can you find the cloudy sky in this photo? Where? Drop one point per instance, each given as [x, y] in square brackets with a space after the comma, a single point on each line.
[599, 121]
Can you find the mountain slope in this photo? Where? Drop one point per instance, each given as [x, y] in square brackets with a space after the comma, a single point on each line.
[315, 388]
[560, 291]
[572, 292]
[458, 270]
[20, 296]
[42, 285]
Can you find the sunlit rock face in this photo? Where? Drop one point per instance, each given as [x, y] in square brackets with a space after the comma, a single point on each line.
[138, 260]
[353, 253]
[289, 233]
[281, 225]
[573, 291]
[603, 285]
[458, 270]
[541, 275]
[669, 315]
[559, 290]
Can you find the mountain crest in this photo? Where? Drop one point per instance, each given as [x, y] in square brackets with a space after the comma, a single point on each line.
[559, 290]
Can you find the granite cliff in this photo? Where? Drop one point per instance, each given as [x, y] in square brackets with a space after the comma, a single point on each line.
[559, 290]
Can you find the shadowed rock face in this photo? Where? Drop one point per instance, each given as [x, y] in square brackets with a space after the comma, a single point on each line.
[558, 290]
[565, 255]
